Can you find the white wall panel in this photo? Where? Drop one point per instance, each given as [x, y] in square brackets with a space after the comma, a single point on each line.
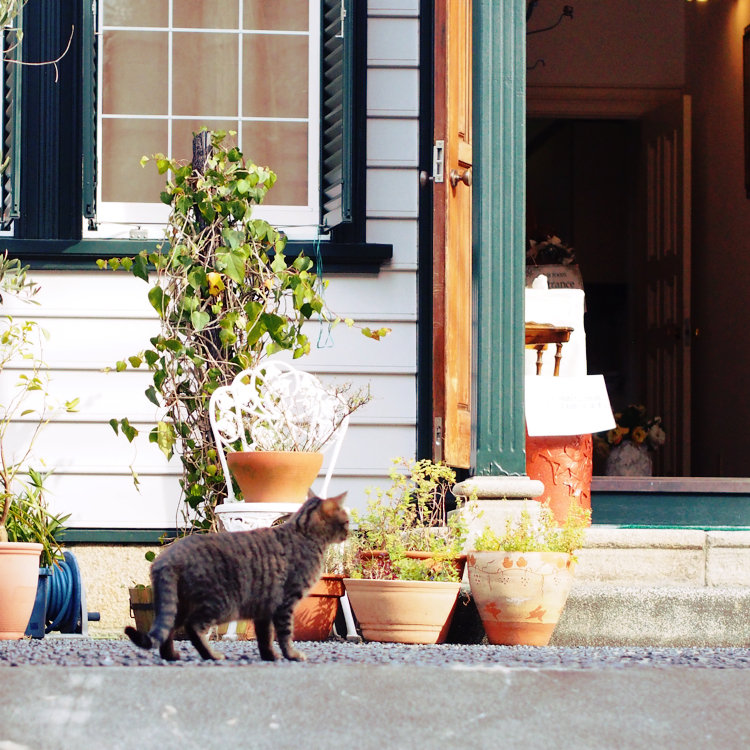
[402, 235]
[393, 8]
[393, 92]
[392, 143]
[393, 42]
[98, 317]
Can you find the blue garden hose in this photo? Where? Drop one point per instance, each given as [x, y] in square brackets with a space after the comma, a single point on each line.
[64, 596]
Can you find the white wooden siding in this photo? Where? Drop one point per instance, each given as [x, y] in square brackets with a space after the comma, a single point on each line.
[96, 318]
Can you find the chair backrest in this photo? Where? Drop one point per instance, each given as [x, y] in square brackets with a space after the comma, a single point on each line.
[275, 406]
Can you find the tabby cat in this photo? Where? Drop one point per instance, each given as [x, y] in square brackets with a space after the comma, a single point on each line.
[260, 575]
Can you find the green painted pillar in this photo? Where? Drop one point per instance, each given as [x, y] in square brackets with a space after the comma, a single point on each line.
[499, 235]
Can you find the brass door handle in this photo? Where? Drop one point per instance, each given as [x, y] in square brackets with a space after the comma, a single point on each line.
[456, 177]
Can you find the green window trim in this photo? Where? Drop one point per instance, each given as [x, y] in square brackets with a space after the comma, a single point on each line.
[81, 255]
[11, 123]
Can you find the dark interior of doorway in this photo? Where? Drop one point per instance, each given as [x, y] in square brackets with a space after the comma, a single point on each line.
[582, 185]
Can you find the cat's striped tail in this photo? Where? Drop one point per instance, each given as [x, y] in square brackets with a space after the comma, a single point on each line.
[140, 639]
[165, 607]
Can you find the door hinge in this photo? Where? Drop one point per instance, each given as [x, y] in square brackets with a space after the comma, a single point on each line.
[437, 439]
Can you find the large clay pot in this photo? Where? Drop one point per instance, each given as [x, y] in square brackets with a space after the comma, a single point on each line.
[274, 476]
[403, 611]
[520, 595]
[564, 466]
[19, 577]
[314, 615]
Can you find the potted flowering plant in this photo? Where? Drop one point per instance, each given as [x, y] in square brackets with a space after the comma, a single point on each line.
[626, 448]
[404, 558]
[520, 578]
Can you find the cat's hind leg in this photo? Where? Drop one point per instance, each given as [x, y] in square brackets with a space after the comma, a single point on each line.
[264, 636]
[166, 650]
[198, 639]
[283, 622]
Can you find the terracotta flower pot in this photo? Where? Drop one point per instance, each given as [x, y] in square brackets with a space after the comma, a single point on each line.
[520, 595]
[314, 615]
[19, 577]
[274, 476]
[564, 466]
[403, 611]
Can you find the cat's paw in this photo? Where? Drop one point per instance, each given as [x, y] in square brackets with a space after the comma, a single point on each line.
[294, 655]
[268, 655]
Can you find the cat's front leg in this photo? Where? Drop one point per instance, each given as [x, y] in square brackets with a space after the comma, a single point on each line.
[283, 620]
[264, 636]
[198, 639]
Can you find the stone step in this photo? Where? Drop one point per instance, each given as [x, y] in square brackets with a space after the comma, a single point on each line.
[651, 587]
[600, 614]
[665, 557]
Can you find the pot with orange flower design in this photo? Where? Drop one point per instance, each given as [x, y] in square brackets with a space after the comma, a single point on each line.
[520, 579]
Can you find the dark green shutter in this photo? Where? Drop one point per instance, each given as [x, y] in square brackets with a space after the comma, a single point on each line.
[11, 123]
[88, 106]
[337, 116]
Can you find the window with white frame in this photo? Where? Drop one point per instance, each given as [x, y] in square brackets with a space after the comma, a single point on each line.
[167, 68]
[286, 77]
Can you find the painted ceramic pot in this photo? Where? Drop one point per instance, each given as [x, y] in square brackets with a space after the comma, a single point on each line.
[520, 595]
[274, 476]
[19, 577]
[403, 611]
[629, 460]
[564, 466]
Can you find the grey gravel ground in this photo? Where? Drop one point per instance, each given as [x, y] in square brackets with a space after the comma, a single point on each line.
[82, 652]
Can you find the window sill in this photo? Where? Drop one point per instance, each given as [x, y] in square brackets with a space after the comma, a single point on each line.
[81, 255]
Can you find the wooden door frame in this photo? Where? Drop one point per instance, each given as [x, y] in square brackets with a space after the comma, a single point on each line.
[425, 231]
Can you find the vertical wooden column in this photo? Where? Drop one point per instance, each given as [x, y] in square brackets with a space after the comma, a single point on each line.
[499, 235]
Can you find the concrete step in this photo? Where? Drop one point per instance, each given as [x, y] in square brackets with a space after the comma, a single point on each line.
[601, 614]
[660, 587]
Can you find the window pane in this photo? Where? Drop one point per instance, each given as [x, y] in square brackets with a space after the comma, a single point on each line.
[276, 15]
[123, 144]
[285, 93]
[136, 12]
[135, 73]
[182, 135]
[282, 146]
[200, 85]
[205, 14]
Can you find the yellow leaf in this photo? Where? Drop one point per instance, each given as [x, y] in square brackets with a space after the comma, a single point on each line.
[215, 283]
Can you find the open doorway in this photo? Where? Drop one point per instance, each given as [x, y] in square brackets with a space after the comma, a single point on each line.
[583, 178]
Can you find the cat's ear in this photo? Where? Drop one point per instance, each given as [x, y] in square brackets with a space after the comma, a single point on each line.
[333, 504]
[310, 494]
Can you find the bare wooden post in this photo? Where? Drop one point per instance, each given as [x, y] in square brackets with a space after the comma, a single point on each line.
[201, 150]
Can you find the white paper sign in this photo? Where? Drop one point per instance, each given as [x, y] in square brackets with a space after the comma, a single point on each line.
[567, 406]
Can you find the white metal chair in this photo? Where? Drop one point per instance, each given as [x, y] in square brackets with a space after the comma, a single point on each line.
[270, 407]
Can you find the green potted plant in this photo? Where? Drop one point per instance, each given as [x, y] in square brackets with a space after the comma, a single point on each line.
[227, 297]
[28, 531]
[404, 558]
[520, 578]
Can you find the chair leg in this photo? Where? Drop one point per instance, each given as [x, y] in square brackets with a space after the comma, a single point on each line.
[231, 634]
[351, 628]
